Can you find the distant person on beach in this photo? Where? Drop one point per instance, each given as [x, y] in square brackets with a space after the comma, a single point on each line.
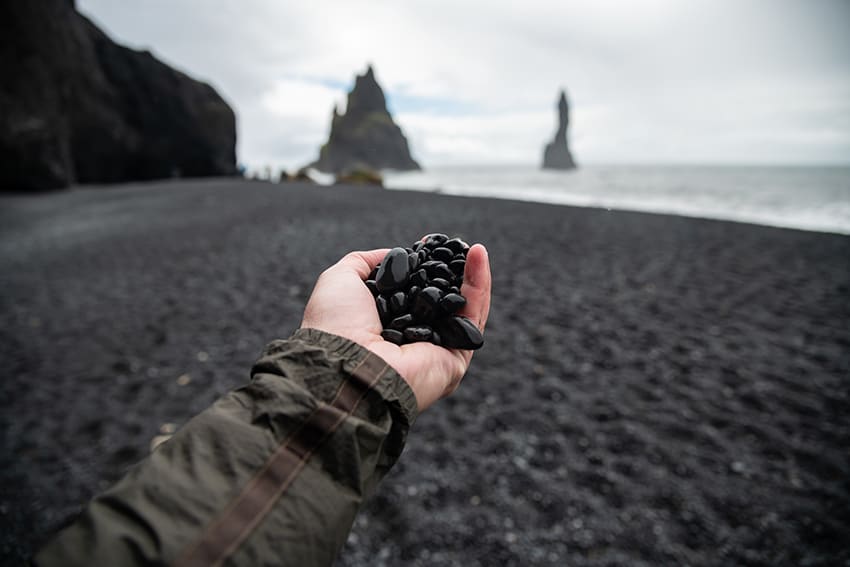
[275, 471]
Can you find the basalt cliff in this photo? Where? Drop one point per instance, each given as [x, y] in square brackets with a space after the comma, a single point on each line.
[557, 153]
[365, 137]
[75, 107]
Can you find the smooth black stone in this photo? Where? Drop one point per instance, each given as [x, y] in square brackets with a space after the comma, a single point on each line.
[452, 302]
[383, 308]
[459, 332]
[442, 271]
[441, 283]
[456, 245]
[432, 295]
[436, 339]
[394, 270]
[419, 278]
[413, 261]
[409, 250]
[398, 302]
[401, 322]
[418, 334]
[454, 289]
[424, 308]
[429, 265]
[412, 293]
[423, 312]
[423, 255]
[442, 254]
[457, 267]
[393, 336]
[373, 273]
[434, 240]
[459, 257]
[372, 287]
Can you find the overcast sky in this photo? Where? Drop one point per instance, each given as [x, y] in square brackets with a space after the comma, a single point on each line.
[652, 81]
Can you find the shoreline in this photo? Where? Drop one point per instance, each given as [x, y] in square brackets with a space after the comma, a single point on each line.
[599, 207]
[805, 198]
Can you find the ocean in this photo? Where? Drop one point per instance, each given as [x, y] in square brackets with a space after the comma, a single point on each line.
[807, 198]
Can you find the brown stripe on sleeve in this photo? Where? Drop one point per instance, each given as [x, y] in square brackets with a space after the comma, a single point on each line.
[222, 537]
[364, 376]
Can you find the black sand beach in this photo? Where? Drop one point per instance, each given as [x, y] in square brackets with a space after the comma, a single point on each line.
[653, 390]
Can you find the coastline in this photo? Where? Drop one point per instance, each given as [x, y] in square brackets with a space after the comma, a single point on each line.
[652, 388]
[813, 198]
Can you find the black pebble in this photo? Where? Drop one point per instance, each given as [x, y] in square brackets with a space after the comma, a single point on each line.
[394, 270]
[419, 278]
[456, 245]
[432, 295]
[434, 240]
[452, 302]
[393, 336]
[425, 304]
[457, 267]
[383, 308]
[459, 332]
[442, 254]
[398, 302]
[411, 294]
[442, 271]
[441, 283]
[413, 261]
[430, 265]
[418, 334]
[402, 322]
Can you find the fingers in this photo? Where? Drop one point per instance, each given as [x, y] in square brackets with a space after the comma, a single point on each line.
[363, 262]
[477, 286]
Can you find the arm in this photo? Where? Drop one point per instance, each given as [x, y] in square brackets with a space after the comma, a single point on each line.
[277, 469]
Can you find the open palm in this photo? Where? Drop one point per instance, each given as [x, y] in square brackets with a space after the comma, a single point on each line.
[342, 304]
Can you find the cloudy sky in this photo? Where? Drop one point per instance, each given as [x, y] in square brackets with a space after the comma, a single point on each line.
[476, 82]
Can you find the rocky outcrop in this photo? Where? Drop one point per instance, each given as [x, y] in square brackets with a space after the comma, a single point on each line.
[365, 137]
[77, 108]
[557, 154]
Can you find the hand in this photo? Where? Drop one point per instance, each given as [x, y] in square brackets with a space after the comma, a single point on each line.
[342, 304]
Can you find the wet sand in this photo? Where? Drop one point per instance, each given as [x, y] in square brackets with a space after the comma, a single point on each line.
[653, 389]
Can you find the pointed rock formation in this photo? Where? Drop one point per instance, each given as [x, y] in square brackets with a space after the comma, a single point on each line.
[75, 107]
[557, 155]
[365, 137]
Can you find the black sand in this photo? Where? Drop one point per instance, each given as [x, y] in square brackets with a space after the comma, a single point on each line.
[653, 390]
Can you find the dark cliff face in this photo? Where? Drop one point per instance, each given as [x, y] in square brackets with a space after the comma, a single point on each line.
[365, 137]
[75, 107]
[557, 154]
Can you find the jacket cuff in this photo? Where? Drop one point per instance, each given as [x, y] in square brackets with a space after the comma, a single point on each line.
[391, 386]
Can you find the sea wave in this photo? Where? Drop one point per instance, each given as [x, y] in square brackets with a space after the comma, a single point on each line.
[806, 198]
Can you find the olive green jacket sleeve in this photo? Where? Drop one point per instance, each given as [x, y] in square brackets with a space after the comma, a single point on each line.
[271, 474]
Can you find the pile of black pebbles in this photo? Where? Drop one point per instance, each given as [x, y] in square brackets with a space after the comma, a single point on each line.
[417, 292]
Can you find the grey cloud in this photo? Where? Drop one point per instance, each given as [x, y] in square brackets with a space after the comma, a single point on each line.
[643, 77]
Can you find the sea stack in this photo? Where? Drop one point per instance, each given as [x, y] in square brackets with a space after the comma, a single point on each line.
[365, 137]
[557, 154]
[75, 107]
